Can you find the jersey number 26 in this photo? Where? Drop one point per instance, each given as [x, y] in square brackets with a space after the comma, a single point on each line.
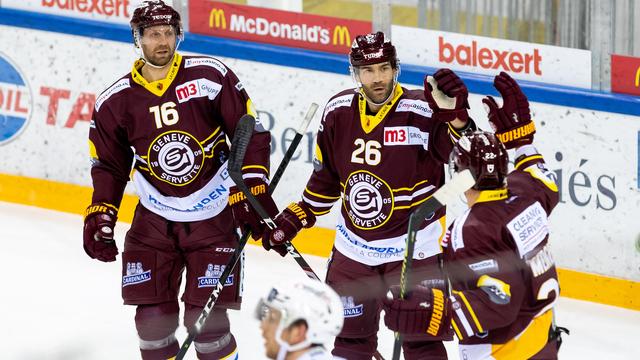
[366, 152]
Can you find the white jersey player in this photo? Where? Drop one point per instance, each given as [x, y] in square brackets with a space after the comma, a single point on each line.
[297, 320]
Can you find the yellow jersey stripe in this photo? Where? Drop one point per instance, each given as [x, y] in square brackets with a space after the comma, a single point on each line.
[528, 158]
[455, 328]
[322, 196]
[411, 188]
[255, 167]
[319, 212]
[211, 136]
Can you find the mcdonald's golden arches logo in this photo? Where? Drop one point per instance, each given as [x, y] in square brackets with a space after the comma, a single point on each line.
[341, 35]
[638, 77]
[217, 19]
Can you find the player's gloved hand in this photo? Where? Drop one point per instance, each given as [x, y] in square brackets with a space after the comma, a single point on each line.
[99, 221]
[288, 223]
[511, 122]
[447, 96]
[425, 310]
[244, 214]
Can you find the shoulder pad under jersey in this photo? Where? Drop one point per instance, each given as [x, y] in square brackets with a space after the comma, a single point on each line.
[342, 99]
[122, 84]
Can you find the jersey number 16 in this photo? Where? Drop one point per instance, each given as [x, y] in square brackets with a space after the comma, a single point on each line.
[165, 114]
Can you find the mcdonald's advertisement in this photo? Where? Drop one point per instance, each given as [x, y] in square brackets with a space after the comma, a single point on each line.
[625, 74]
[276, 27]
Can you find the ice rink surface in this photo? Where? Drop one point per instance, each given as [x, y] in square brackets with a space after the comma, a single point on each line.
[57, 303]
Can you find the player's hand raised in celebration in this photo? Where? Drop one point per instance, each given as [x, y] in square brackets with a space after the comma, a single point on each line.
[447, 96]
[511, 122]
[288, 223]
[99, 221]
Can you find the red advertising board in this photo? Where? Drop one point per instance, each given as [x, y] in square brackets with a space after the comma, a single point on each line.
[274, 26]
[625, 74]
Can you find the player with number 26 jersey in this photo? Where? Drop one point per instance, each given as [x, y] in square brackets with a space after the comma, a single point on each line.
[380, 153]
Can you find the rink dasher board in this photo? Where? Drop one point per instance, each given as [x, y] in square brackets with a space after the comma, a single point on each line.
[594, 154]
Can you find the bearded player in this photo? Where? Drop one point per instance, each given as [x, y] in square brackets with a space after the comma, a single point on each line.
[380, 151]
[170, 118]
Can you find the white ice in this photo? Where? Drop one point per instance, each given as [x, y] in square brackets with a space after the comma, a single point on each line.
[57, 303]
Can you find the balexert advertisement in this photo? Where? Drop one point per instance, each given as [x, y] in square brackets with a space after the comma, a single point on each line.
[116, 11]
[483, 55]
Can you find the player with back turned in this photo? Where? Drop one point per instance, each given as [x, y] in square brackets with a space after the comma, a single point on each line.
[380, 150]
[498, 259]
[169, 119]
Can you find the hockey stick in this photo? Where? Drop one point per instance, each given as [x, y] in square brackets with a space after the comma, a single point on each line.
[236, 176]
[236, 158]
[458, 184]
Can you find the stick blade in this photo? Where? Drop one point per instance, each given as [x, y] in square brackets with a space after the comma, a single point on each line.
[240, 143]
[307, 118]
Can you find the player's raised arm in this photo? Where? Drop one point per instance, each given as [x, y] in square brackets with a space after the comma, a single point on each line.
[515, 128]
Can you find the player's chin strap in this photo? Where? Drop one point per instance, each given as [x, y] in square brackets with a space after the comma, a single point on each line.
[285, 347]
[361, 90]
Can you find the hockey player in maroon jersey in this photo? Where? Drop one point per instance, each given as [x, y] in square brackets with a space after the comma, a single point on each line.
[381, 150]
[497, 256]
[170, 118]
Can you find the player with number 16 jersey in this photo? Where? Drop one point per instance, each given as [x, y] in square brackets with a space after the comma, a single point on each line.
[169, 119]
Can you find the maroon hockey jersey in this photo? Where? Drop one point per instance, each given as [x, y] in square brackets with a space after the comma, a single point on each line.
[174, 131]
[381, 166]
[502, 273]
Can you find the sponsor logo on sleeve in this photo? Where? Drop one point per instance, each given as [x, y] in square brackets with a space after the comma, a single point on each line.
[196, 89]
[211, 62]
[115, 88]
[135, 274]
[344, 100]
[405, 135]
[415, 106]
[484, 266]
[15, 101]
[529, 228]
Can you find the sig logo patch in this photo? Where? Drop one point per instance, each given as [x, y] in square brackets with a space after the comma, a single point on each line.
[368, 200]
[212, 276]
[175, 157]
[350, 308]
[15, 100]
[135, 274]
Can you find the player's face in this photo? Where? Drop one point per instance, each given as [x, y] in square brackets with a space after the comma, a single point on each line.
[377, 80]
[269, 325]
[159, 44]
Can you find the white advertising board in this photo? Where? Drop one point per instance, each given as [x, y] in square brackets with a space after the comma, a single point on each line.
[593, 154]
[116, 11]
[483, 55]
